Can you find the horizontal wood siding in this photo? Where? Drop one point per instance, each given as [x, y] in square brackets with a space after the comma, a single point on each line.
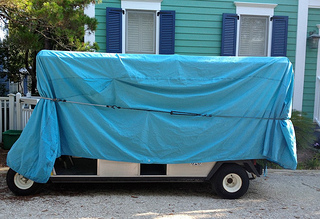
[198, 23]
[311, 66]
[289, 8]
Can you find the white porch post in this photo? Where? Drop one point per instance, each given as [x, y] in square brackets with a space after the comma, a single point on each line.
[11, 111]
[300, 60]
[316, 111]
[18, 110]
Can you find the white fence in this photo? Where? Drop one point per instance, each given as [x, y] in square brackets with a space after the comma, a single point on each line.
[15, 112]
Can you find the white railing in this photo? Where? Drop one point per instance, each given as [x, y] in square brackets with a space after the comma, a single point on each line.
[24, 109]
[4, 115]
[15, 112]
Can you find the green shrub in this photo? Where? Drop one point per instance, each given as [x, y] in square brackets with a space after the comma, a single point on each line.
[304, 129]
[311, 164]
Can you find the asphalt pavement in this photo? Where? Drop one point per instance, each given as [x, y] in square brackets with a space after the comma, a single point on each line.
[280, 194]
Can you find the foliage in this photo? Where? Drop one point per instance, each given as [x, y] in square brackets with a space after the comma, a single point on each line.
[3, 90]
[304, 129]
[41, 24]
[16, 63]
[311, 164]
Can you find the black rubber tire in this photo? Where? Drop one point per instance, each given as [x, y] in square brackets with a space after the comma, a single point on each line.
[26, 186]
[231, 181]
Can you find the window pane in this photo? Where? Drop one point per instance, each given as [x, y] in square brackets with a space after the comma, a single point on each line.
[133, 32]
[147, 32]
[253, 36]
[140, 32]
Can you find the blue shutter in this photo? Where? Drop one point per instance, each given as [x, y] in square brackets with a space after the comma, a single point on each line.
[167, 32]
[114, 30]
[229, 34]
[279, 35]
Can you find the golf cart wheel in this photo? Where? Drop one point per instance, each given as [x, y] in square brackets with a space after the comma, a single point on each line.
[20, 185]
[231, 181]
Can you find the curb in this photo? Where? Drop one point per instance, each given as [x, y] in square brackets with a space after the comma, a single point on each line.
[287, 171]
[4, 169]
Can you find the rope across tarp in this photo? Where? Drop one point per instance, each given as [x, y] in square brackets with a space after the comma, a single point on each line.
[172, 112]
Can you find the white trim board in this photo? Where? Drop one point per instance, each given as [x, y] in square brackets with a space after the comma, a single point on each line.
[255, 8]
[152, 5]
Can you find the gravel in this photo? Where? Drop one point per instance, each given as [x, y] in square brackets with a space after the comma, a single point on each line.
[282, 194]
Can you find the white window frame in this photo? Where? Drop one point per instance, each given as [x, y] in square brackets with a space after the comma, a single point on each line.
[265, 20]
[154, 30]
[141, 5]
[255, 9]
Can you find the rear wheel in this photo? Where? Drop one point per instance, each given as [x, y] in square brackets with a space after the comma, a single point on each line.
[20, 185]
[231, 181]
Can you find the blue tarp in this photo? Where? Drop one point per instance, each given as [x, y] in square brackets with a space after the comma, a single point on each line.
[157, 109]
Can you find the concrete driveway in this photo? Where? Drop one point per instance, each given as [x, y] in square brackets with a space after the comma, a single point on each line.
[282, 194]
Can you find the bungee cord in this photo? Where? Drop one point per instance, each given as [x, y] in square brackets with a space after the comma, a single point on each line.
[172, 112]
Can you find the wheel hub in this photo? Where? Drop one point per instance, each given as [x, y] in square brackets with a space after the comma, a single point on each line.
[232, 182]
[21, 182]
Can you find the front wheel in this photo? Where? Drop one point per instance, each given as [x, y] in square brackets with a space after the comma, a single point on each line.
[231, 181]
[20, 185]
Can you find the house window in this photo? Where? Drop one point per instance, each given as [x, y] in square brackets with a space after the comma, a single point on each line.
[140, 32]
[254, 31]
[253, 36]
[140, 27]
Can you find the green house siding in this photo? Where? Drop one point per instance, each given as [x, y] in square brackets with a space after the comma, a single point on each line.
[311, 66]
[290, 9]
[198, 23]
[100, 13]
